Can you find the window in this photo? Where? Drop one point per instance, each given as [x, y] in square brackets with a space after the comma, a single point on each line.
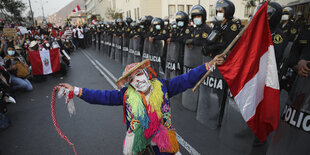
[171, 11]
[129, 13]
[180, 7]
[189, 7]
[212, 11]
[138, 15]
[135, 12]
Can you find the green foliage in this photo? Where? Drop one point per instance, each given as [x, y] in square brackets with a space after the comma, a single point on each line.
[12, 10]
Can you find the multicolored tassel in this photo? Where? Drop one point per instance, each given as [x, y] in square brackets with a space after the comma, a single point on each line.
[161, 139]
[139, 142]
[153, 125]
[174, 146]
[128, 143]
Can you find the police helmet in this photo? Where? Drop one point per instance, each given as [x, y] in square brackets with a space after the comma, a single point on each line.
[274, 10]
[199, 10]
[157, 21]
[134, 24]
[149, 20]
[288, 11]
[142, 21]
[228, 6]
[182, 16]
[128, 20]
[166, 20]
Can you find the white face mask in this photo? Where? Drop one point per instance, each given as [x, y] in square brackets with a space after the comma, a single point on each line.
[140, 82]
[157, 27]
[220, 16]
[47, 45]
[285, 17]
[11, 52]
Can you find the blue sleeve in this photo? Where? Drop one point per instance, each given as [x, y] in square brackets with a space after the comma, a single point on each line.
[106, 97]
[185, 81]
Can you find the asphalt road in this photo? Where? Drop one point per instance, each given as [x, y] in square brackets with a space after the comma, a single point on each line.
[95, 129]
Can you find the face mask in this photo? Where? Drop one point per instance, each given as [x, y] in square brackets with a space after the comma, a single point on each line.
[284, 17]
[28, 42]
[174, 26]
[141, 26]
[157, 27]
[197, 21]
[220, 16]
[140, 82]
[166, 23]
[11, 52]
[180, 24]
[47, 45]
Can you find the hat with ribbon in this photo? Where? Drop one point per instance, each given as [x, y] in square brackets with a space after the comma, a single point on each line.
[145, 64]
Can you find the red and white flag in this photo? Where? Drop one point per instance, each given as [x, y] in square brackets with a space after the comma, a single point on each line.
[77, 9]
[251, 74]
[44, 62]
[94, 21]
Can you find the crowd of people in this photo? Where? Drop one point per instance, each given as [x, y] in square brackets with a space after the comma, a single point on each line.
[213, 37]
[15, 64]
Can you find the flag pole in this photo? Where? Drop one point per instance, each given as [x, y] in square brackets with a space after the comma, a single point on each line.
[224, 53]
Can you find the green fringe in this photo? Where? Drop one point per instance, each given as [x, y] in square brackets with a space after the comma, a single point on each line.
[139, 142]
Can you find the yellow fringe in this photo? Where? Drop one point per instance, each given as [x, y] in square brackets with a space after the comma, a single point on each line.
[135, 101]
[156, 98]
[174, 146]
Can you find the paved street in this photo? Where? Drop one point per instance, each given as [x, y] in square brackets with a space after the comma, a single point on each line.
[94, 129]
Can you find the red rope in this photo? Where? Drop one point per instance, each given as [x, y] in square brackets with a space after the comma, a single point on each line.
[61, 134]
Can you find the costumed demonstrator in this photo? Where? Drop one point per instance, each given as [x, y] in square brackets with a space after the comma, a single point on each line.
[146, 105]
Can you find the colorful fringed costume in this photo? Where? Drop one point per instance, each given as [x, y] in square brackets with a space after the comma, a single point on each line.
[148, 120]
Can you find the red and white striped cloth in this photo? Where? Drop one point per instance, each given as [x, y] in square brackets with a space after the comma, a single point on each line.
[76, 9]
[44, 62]
[94, 21]
[251, 73]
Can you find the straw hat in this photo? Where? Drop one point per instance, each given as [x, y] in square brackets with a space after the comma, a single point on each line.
[130, 69]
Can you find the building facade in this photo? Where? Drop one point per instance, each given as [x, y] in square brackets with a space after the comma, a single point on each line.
[167, 8]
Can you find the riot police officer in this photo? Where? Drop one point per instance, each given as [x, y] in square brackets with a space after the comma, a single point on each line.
[175, 51]
[126, 37]
[225, 28]
[192, 52]
[146, 24]
[156, 40]
[118, 39]
[289, 28]
[274, 14]
[300, 20]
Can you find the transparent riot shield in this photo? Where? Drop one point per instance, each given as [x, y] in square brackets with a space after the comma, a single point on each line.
[293, 133]
[118, 49]
[138, 47]
[192, 59]
[125, 51]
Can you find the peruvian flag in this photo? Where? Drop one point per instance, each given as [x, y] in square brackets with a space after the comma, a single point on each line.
[44, 62]
[94, 21]
[251, 74]
[77, 9]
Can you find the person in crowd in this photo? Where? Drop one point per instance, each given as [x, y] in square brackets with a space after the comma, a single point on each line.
[18, 70]
[80, 32]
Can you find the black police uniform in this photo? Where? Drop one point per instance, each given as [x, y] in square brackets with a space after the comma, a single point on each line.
[227, 32]
[290, 30]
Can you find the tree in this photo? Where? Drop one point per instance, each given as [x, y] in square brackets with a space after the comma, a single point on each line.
[12, 10]
[113, 14]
